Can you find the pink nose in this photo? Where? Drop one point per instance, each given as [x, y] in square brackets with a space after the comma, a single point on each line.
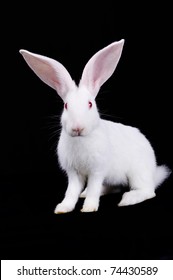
[77, 130]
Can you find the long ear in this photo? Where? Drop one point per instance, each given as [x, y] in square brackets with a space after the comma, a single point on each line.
[101, 66]
[50, 72]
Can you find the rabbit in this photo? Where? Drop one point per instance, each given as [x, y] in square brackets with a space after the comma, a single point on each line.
[97, 153]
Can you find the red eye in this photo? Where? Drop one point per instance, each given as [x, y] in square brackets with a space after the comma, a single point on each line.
[90, 104]
[65, 106]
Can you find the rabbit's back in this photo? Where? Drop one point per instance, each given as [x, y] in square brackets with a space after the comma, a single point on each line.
[131, 152]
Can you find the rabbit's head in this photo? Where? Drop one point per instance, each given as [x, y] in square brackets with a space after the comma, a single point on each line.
[80, 115]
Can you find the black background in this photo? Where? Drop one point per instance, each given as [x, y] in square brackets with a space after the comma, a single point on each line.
[138, 94]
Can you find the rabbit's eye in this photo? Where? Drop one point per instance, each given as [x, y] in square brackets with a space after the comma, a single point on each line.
[65, 106]
[90, 104]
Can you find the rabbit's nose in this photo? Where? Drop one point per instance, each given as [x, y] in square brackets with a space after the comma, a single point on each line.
[77, 130]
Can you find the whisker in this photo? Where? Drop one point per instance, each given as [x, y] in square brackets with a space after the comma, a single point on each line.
[104, 113]
[52, 127]
[111, 117]
[53, 138]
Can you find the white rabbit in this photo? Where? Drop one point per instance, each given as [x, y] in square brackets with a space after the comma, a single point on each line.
[93, 151]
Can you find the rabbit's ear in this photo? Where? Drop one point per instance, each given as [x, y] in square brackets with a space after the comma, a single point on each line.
[50, 72]
[101, 66]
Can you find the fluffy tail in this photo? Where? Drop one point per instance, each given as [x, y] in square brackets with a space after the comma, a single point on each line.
[162, 172]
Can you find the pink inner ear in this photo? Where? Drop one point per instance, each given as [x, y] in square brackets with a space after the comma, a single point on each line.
[101, 66]
[106, 63]
[51, 72]
[56, 83]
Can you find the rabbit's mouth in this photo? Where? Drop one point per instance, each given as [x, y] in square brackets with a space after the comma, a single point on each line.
[77, 132]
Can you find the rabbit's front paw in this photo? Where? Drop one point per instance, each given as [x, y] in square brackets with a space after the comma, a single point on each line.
[90, 206]
[64, 207]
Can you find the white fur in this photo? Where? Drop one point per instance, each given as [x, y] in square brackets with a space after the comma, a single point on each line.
[93, 151]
